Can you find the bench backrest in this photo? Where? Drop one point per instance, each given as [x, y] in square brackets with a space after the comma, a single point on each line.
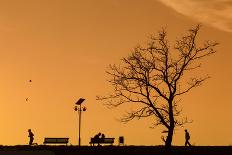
[56, 140]
[108, 140]
[105, 140]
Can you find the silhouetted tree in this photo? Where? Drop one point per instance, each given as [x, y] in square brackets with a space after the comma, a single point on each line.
[155, 76]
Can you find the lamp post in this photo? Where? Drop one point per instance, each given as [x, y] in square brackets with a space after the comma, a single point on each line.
[80, 109]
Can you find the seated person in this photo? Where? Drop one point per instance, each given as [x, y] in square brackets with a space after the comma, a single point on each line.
[102, 137]
[97, 138]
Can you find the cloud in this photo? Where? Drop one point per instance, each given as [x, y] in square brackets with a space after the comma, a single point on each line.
[217, 13]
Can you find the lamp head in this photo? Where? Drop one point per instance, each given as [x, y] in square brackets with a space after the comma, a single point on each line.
[80, 101]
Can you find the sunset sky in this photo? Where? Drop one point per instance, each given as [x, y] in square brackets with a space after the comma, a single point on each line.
[65, 46]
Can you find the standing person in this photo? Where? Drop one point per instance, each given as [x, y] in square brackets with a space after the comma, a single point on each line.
[31, 136]
[187, 137]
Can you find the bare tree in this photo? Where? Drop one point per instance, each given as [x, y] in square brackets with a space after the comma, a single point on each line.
[155, 76]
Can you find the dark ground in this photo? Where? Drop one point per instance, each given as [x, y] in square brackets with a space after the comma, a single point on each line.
[113, 150]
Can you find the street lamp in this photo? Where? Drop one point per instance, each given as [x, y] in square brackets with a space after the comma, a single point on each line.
[80, 109]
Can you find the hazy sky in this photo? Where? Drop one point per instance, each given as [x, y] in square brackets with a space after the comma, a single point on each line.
[65, 46]
[217, 13]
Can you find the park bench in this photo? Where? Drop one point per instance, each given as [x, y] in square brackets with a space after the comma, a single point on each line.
[56, 141]
[101, 141]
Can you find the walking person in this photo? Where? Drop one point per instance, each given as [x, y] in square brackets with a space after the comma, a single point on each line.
[31, 136]
[187, 137]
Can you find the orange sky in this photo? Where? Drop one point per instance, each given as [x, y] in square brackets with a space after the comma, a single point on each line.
[65, 46]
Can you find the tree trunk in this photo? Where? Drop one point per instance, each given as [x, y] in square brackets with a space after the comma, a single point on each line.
[168, 142]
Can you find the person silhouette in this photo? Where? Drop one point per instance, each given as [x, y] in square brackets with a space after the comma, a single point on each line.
[31, 136]
[102, 137]
[97, 138]
[187, 137]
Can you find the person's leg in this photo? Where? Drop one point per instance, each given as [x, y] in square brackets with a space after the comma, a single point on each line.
[30, 142]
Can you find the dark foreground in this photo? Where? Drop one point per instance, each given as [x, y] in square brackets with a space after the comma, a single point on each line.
[113, 150]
